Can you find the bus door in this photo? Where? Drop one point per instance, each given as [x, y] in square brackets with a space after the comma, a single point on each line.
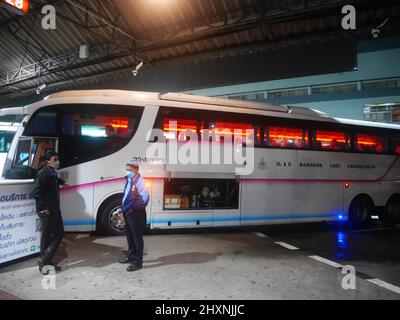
[26, 161]
[76, 203]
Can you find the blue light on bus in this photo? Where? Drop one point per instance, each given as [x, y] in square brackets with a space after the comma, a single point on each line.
[340, 216]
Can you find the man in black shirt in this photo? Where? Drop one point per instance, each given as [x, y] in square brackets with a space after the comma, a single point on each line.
[46, 194]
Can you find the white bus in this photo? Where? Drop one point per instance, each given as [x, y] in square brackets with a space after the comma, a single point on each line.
[7, 132]
[308, 167]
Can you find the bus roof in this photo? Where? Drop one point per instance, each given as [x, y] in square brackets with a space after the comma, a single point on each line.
[151, 97]
[368, 123]
[189, 98]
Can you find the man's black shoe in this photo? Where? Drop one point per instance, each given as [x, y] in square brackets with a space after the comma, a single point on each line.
[134, 267]
[56, 267]
[125, 260]
[43, 267]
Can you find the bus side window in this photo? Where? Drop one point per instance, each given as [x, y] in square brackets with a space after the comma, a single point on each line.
[283, 137]
[239, 132]
[91, 132]
[331, 140]
[395, 144]
[371, 144]
[208, 125]
[177, 128]
[43, 124]
[40, 147]
[23, 153]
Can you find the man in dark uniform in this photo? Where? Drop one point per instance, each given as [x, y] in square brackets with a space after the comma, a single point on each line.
[46, 194]
[134, 202]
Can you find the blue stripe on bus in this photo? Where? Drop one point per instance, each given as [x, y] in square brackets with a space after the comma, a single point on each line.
[338, 216]
[78, 223]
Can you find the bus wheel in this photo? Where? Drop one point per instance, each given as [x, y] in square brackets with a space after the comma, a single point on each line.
[391, 216]
[360, 212]
[111, 220]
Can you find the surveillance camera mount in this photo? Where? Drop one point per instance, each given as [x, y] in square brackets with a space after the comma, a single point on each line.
[135, 72]
[376, 31]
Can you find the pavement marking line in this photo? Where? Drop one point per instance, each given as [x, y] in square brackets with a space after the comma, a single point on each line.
[336, 265]
[385, 285]
[326, 261]
[286, 245]
[105, 254]
[261, 235]
[74, 263]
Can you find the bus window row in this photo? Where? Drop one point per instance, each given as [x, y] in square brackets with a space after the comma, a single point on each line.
[271, 136]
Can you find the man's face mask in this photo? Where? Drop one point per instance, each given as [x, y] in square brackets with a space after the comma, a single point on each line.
[130, 174]
[55, 164]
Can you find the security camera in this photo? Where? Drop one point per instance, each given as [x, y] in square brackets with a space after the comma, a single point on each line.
[40, 88]
[135, 72]
[376, 31]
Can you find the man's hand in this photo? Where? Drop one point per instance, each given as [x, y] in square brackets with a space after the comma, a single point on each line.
[46, 212]
[66, 186]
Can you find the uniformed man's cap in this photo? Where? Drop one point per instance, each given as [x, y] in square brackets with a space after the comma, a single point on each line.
[133, 164]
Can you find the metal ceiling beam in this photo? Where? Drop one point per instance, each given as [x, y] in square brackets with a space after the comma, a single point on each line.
[243, 24]
[45, 53]
[253, 22]
[62, 63]
[162, 46]
[261, 8]
[363, 31]
[121, 37]
[116, 47]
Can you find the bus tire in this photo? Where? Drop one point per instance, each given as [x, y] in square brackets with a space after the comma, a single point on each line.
[360, 211]
[391, 215]
[109, 223]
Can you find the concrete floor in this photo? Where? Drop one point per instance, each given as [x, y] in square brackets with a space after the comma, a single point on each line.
[219, 265]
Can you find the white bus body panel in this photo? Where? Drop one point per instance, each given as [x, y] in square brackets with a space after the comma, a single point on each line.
[98, 180]
[278, 191]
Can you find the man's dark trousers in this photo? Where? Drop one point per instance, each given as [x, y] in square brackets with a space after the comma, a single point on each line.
[52, 233]
[135, 225]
